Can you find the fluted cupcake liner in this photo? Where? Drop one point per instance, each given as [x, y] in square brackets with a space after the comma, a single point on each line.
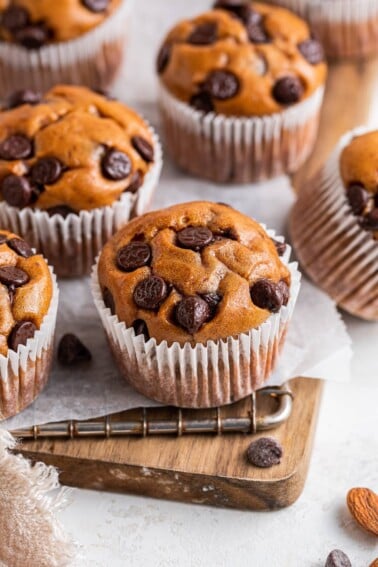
[92, 59]
[240, 150]
[24, 374]
[205, 375]
[71, 244]
[335, 251]
[346, 28]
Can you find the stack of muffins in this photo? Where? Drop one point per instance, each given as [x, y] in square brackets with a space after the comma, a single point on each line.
[195, 299]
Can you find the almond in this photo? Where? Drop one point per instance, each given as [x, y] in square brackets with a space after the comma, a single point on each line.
[363, 505]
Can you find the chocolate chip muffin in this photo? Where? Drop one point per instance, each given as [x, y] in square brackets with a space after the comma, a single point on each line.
[194, 277]
[233, 77]
[28, 304]
[340, 207]
[76, 41]
[69, 151]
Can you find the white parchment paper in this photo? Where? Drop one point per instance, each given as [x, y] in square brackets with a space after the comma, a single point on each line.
[317, 344]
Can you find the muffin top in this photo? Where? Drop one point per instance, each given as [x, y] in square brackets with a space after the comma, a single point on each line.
[359, 172]
[35, 23]
[192, 273]
[25, 291]
[70, 150]
[242, 59]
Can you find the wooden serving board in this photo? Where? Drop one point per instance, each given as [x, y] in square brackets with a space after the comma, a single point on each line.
[208, 469]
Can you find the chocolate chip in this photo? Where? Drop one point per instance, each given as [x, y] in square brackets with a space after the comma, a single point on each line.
[3, 238]
[163, 58]
[115, 165]
[213, 300]
[264, 452]
[15, 147]
[222, 85]
[312, 51]
[46, 171]
[14, 18]
[357, 197]
[26, 96]
[72, 351]
[288, 90]
[204, 34]
[370, 222]
[12, 276]
[96, 5]
[33, 36]
[254, 23]
[285, 291]
[21, 247]
[21, 332]
[267, 295]
[191, 313]
[202, 102]
[16, 191]
[280, 247]
[62, 210]
[150, 293]
[143, 147]
[194, 237]
[337, 558]
[136, 181]
[237, 7]
[140, 328]
[109, 300]
[133, 256]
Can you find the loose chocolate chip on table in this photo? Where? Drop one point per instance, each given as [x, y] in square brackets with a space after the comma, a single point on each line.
[204, 34]
[222, 84]
[337, 558]
[12, 276]
[115, 165]
[312, 51]
[357, 197]
[15, 147]
[21, 247]
[163, 58]
[33, 36]
[370, 222]
[136, 182]
[72, 351]
[213, 300]
[109, 300]
[288, 90]
[194, 237]
[46, 171]
[16, 191]
[267, 295]
[61, 210]
[264, 452]
[26, 96]
[133, 256]
[150, 293]
[96, 5]
[21, 332]
[191, 313]
[280, 247]
[143, 147]
[202, 102]
[14, 18]
[141, 328]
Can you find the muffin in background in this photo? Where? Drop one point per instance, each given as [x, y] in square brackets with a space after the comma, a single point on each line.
[334, 225]
[45, 42]
[241, 89]
[195, 301]
[28, 308]
[74, 167]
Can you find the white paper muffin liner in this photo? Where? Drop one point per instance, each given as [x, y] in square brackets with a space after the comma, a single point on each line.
[217, 373]
[338, 255]
[92, 59]
[71, 244]
[240, 150]
[347, 28]
[24, 374]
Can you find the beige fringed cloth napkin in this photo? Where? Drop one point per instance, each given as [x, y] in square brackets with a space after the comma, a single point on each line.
[30, 496]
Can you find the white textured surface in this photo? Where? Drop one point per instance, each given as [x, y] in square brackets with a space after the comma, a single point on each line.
[117, 530]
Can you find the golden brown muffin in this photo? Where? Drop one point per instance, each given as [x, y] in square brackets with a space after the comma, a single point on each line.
[242, 59]
[70, 150]
[192, 273]
[359, 172]
[34, 23]
[25, 291]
